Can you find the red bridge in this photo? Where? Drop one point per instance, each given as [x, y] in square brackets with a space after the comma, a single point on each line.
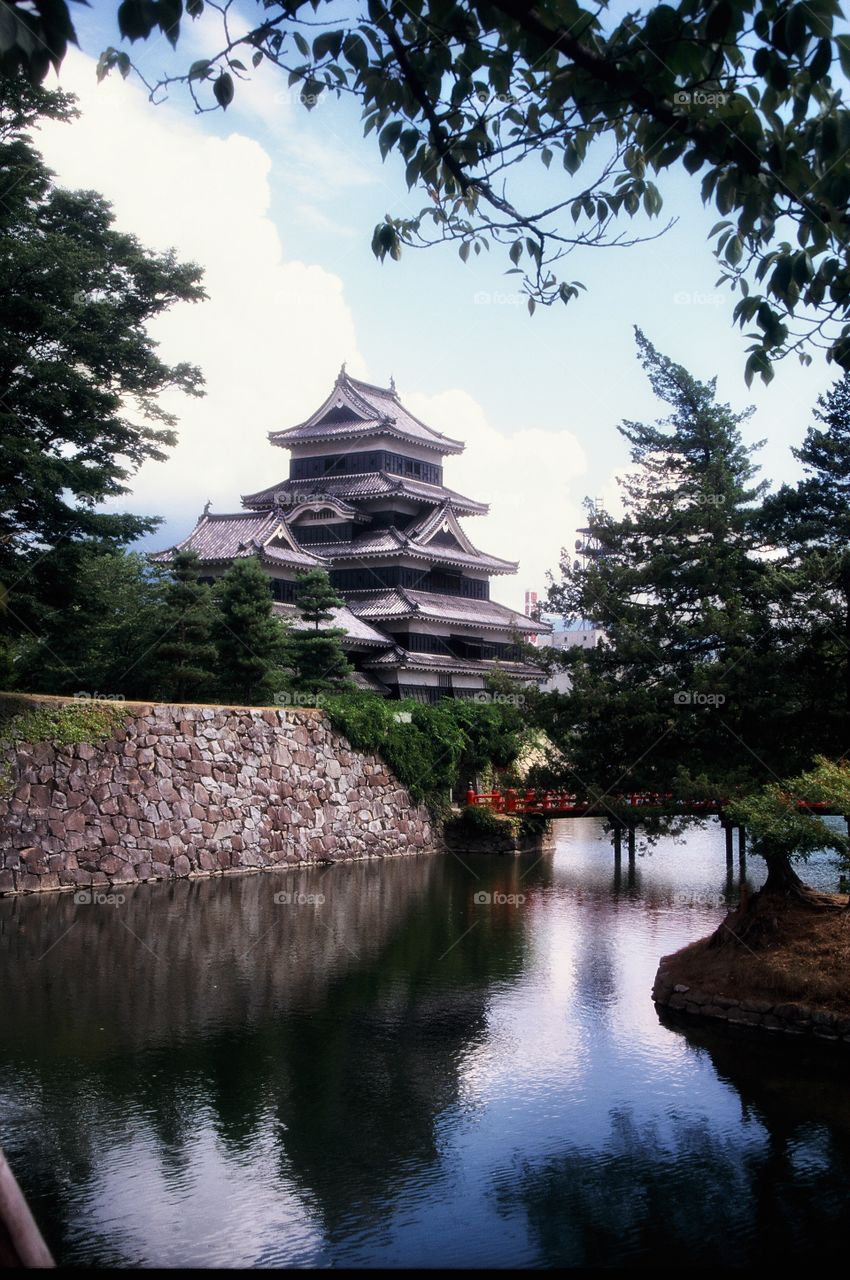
[566, 804]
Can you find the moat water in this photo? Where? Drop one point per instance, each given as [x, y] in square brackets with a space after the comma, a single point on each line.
[423, 1062]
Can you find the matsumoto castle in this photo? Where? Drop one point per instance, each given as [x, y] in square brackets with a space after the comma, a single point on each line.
[365, 500]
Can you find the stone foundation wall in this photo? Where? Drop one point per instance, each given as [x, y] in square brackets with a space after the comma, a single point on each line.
[186, 790]
[784, 1017]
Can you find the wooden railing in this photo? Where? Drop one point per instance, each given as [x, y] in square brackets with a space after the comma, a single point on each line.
[569, 804]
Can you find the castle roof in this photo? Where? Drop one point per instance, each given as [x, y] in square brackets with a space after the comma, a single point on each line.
[398, 659]
[218, 539]
[356, 410]
[396, 603]
[363, 487]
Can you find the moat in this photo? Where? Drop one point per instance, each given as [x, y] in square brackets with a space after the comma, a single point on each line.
[426, 1061]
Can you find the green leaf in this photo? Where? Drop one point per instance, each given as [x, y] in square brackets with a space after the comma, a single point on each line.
[389, 136]
[137, 19]
[843, 45]
[821, 60]
[329, 42]
[356, 52]
[718, 22]
[223, 90]
[758, 363]
[301, 44]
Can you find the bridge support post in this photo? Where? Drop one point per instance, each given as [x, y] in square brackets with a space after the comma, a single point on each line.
[631, 845]
[742, 847]
[727, 832]
[618, 843]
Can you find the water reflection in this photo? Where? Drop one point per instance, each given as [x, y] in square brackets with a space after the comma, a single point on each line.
[428, 1061]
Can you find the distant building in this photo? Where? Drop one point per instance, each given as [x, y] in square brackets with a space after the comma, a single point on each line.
[365, 500]
[530, 611]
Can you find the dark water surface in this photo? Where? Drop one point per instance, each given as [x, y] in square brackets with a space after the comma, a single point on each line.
[401, 1075]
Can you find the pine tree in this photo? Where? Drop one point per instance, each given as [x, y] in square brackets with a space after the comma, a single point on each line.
[184, 657]
[248, 637]
[680, 686]
[314, 651]
[103, 641]
[811, 522]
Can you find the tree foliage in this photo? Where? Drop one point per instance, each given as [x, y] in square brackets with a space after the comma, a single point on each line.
[249, 640]
[314, 650]
[430, 748]
[184, 659]
[686, 680]
[781, 832]
[80, 377]
[545, 128]
[810, 522]
[102, 642]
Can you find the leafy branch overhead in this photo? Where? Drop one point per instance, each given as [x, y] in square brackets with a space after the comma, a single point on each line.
[544, 128]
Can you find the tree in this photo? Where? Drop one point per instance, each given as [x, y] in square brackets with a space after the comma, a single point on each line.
[314, 651]
[184, 657]
[80, 377]
[248, 638]
[811, 522]
[783, 828]
[685, 690]
[541, 128]
[102, 642]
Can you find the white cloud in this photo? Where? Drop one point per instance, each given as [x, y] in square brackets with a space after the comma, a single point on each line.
[532, 480]
[274, 332]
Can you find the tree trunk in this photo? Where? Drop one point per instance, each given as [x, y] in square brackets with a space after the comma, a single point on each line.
[755, 921]
[782, 878]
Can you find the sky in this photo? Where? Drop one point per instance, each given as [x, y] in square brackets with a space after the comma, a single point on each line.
[278, 205]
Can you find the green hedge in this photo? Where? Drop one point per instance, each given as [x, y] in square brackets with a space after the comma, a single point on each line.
[430, 747]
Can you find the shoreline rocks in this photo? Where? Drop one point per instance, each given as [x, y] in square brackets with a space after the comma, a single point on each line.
[782, 1017]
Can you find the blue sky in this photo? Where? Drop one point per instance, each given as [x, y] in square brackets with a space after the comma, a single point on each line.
[536, 394]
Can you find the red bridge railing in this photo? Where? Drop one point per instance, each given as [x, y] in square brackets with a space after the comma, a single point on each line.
[569, 804]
